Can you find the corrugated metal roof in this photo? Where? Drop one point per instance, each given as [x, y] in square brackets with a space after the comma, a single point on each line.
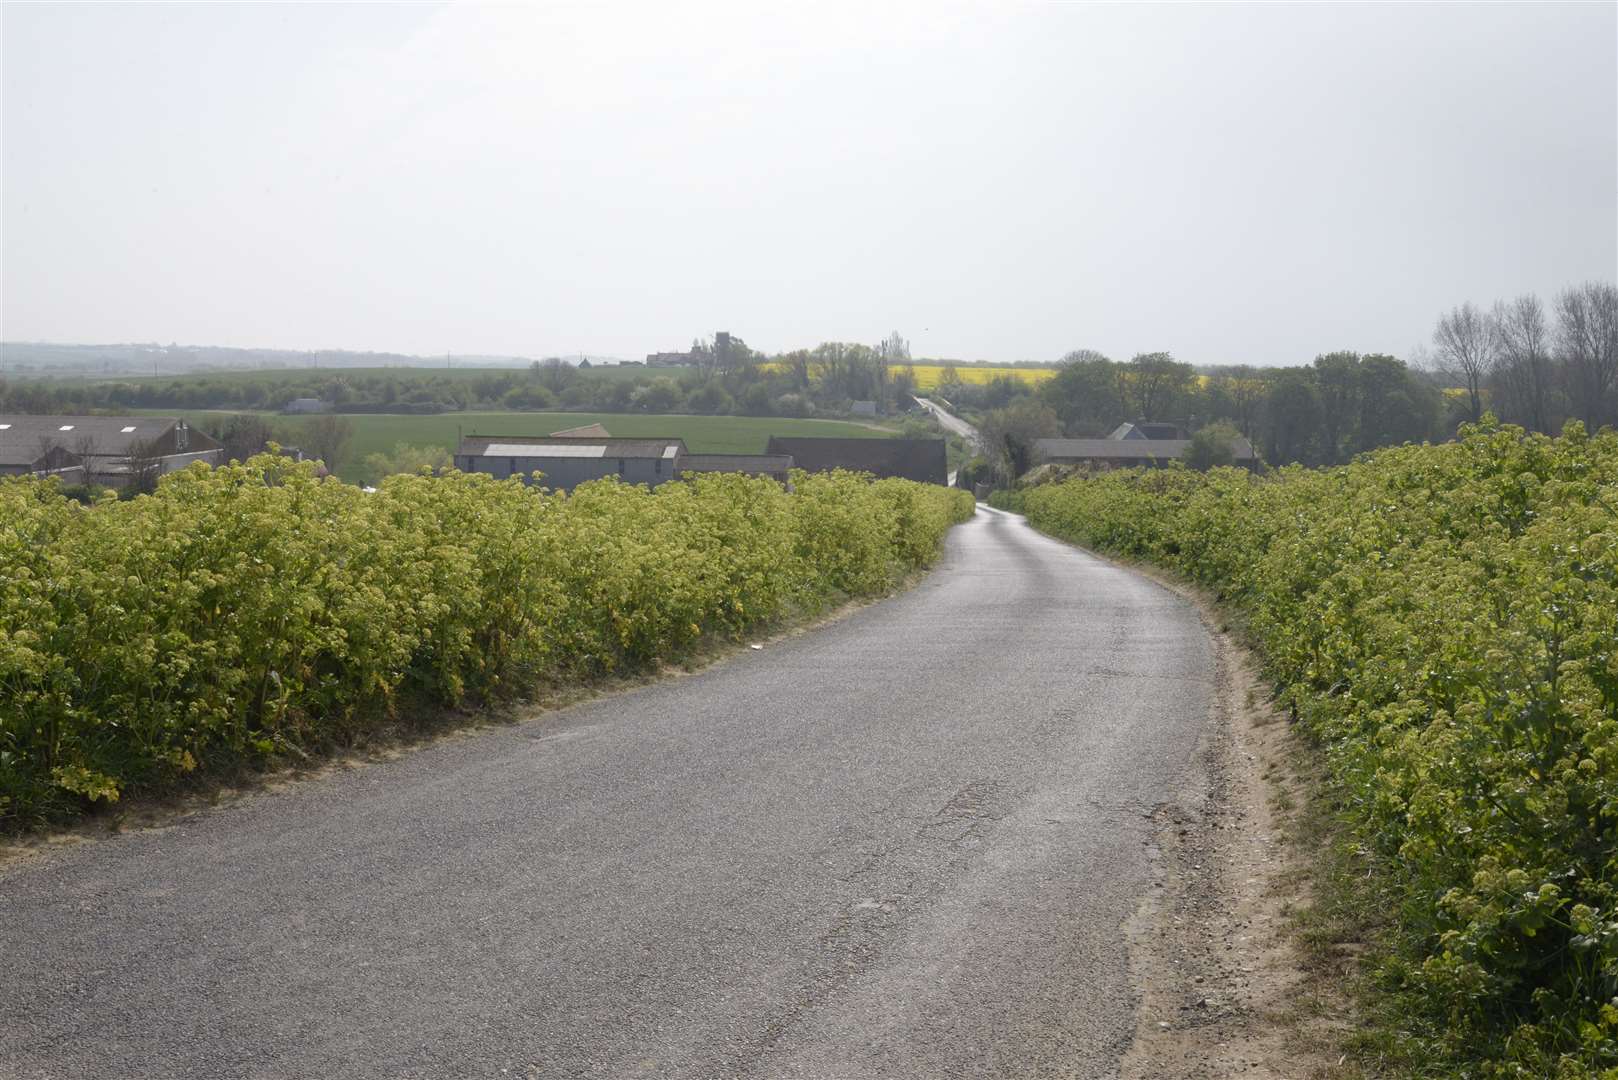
[547, 446]
[582, 450]
[23, 438]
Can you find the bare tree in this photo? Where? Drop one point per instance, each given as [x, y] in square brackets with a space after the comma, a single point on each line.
[327, 436]
[52, 454]
[1587, 334]
[1523, 375]
[555, 374]
[86, 448]
[798, 363]
[893, 351]
[143, 464]
[1465, 342]
[243, 435]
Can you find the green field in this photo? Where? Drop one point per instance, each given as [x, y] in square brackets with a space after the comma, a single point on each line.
[380, 432]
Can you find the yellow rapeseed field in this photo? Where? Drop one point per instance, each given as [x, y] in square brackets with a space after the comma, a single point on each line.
[929, 375]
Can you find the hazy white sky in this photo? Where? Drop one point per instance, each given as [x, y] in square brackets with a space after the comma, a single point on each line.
[999, 181]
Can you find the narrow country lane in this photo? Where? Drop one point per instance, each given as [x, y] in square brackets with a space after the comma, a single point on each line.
[900, 846]
[949, 421]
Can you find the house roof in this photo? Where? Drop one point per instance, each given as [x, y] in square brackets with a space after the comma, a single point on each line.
[748, 463]
[588, 431]
[562, 446]
[1147, 430]
[911, 459]
[1128, 449]
[24, 438]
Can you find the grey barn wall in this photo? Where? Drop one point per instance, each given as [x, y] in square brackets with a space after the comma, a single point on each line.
[569, 472]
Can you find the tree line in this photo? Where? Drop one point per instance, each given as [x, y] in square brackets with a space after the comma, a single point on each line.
[723, 378]
[1533, 367]
[1320, 414]
[1529, 364]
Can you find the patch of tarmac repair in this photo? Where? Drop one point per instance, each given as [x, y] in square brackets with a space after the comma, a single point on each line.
[1220, 978]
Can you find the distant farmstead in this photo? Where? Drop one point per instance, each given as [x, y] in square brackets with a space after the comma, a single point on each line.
[111, 450]
[1130, 450]
[568, 459]
[568, 462]
[304, 405]
[671, 359]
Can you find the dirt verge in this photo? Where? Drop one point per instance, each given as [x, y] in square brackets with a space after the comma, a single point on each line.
[1227, 988]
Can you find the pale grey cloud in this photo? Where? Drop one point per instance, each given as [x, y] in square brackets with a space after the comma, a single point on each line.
[1008, 181]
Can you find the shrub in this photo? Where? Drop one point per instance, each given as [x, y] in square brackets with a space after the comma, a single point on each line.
[258, 610]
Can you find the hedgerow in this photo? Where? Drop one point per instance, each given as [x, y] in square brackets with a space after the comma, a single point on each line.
[1444, 619]
[256, 612]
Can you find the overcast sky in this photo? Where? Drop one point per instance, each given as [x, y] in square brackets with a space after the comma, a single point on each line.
[999, 181]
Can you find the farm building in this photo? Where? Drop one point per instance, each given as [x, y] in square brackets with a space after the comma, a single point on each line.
[567, 461]
[1144, 430]
[101, 449]
[908, 459]
[1123, 452]
[306, 405]
[588, 431]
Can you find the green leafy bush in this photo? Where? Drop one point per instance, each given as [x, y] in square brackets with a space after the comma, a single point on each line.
[1444, 619]
[253, 611]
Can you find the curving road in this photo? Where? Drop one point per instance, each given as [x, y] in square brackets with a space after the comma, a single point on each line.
[949, 421]
[900, 846]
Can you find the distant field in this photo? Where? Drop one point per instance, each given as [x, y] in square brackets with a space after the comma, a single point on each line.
[374, 433]
[928, 375]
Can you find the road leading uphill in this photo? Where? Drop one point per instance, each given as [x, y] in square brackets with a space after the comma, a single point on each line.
[903, 845]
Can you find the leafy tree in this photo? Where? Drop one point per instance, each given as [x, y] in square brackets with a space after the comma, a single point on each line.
[531, 397]
[1337, 386]
[1009, 436]
[1156, 383]
[1087, 393]
[405, 459]
[709, 399]
[661, 395]
[1395, 406]
[1293, 410]
[1211, 447]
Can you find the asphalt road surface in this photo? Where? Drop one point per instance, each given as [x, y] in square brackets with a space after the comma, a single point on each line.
[949, 420]
[899, 846]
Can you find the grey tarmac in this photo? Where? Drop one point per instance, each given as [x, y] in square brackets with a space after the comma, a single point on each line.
[903, 845]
